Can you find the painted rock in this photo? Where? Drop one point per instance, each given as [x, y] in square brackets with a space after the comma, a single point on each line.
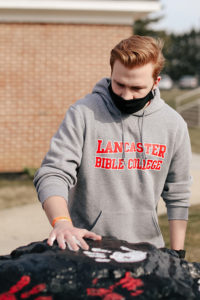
[110, 270]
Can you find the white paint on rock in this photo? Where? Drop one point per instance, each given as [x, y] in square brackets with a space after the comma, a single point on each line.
[102, 260]
[131, 256]
[101, 250]
[94, 254]
[103, 255]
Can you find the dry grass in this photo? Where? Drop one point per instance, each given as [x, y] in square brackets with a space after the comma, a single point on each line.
[15, 192]
[195, 139]
[169, 97]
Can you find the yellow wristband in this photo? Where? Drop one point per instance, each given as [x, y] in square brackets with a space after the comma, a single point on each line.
[60, 218]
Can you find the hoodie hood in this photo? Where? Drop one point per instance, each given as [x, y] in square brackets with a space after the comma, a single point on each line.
[101, 88]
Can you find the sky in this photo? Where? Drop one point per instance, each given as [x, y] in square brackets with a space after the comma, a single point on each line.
[180, 16]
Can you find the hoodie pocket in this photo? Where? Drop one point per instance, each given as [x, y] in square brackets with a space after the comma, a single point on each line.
[155, 220]
[133, 226]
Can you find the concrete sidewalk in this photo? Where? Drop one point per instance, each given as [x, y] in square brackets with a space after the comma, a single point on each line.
[25, 224]
[22, 225]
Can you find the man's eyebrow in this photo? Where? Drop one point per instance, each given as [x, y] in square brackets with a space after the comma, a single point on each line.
[139, 87]
[134, 86]
[116, 81]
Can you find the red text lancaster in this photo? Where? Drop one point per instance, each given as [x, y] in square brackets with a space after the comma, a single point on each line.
[111, 147]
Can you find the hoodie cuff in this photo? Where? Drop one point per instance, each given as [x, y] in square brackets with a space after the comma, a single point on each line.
[177, 213]
[52, 190]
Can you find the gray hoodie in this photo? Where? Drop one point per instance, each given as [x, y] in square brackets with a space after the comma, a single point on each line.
[116, 166]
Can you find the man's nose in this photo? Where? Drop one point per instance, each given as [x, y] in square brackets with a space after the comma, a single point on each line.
[127, 94]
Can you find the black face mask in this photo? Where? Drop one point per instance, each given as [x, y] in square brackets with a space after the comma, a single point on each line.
[129, 106]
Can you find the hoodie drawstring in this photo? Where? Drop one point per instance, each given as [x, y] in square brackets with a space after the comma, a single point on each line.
[141, 136]
[144, 156]
[123, 146]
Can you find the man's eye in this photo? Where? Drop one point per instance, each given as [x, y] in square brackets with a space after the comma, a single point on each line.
[119, 84]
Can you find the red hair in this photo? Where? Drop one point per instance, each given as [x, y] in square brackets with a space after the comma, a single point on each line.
[138, 51]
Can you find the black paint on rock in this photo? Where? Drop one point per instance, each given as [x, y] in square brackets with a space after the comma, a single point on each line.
[41, 272]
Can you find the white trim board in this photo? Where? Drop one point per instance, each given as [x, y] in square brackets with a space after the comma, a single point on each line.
[87, 12]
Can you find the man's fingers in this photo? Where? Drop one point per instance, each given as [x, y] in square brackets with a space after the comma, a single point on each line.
[76, 240]
[51, 239]
[73, 239]
[92, 235]
[72, 243]
[80, 241]
[61, 241]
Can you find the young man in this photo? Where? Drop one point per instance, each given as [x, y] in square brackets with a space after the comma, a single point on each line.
[116, 152]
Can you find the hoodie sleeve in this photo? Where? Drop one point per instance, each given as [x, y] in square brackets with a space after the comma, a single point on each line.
[58, 172]
[176, 190]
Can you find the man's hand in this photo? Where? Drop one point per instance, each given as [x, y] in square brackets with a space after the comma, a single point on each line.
[65, 233]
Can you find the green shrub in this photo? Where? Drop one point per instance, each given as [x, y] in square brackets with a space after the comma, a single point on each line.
[30, 172]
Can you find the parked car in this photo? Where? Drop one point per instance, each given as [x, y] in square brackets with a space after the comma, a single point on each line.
[188, 82]
[166, 82]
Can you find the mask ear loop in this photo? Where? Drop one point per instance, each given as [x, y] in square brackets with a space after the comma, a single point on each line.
[154, 92]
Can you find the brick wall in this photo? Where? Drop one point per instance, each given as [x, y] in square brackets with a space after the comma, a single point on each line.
[43, 69]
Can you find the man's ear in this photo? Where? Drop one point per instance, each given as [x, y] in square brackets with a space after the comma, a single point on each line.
[156, 82]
